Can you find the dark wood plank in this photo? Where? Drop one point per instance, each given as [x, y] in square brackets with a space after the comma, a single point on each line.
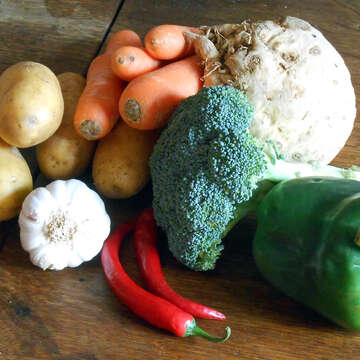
[64, 35]
[72, 314]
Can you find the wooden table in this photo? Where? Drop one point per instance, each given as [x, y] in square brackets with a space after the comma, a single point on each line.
[72, 314]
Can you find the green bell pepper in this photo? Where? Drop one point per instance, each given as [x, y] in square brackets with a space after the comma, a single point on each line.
[307, 244]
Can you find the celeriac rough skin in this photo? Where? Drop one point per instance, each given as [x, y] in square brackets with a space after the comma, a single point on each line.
[63, 224]
[297, 82]
[31, 104]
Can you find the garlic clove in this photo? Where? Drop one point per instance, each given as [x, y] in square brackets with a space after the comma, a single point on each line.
[49, 257]
[59, 191]
[74, 259]
[86, 244]
[37, 206]
[37, 240]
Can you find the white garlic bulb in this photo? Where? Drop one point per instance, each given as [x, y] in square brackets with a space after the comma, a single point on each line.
[63, 224]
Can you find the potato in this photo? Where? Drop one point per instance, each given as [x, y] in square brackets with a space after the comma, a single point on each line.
[120, 165]
[66, 154]
[15, 181]
[31, 104]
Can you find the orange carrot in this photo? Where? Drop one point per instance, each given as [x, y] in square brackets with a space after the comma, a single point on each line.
[128, 62]
[167, 42]
[123, 38]
[148, 101]
[97, 109]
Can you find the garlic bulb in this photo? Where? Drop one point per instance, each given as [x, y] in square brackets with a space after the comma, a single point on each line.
[63, 224]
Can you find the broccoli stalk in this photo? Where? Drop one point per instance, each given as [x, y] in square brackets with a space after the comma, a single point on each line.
[208, 171]
[278, 169]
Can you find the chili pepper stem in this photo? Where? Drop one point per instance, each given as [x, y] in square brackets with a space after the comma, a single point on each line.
[194, 330]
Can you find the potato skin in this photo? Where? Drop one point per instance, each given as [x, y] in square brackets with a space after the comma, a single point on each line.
[15, 181]
[31, 104]
[120, 166]
[66, 154]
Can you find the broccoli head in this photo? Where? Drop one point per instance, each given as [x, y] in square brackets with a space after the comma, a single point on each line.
[208, 171]
[204, 163]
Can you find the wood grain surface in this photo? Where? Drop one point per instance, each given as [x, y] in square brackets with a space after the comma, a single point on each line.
[72, 314]
[63, 35]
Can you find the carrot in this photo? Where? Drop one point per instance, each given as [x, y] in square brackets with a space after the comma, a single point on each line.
[148, 101]
[128, 62]
[97, 109]
[123, 38]
[167, 42]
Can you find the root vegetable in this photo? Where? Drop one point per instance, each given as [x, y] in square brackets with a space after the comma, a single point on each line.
[205, 47]
[123, 38]
[167, 42]
[31, 104]
[97, 109]
[129, 62]
[66, 154]
[15, 181]
[120, 165]
[297, 82]
[148, 101]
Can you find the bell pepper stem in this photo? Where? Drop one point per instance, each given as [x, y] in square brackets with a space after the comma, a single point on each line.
[194, 330]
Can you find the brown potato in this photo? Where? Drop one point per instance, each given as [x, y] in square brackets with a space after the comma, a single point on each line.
[15, 181]
[120, 165]
[66, 154]
[31, 104]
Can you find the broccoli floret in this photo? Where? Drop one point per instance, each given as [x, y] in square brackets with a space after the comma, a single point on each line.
[206, 169]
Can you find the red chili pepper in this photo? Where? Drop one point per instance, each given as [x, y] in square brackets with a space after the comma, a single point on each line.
[152, 308]
[145, 239]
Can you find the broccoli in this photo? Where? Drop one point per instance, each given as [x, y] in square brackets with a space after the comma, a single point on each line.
[208, 171]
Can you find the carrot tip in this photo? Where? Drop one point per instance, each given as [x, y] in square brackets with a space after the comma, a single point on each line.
[132, 110]
[90, 129]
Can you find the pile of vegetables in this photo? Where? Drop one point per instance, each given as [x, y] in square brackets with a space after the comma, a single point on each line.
[246, 141]
[208, 171]
[73, 123]
[142, 85]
